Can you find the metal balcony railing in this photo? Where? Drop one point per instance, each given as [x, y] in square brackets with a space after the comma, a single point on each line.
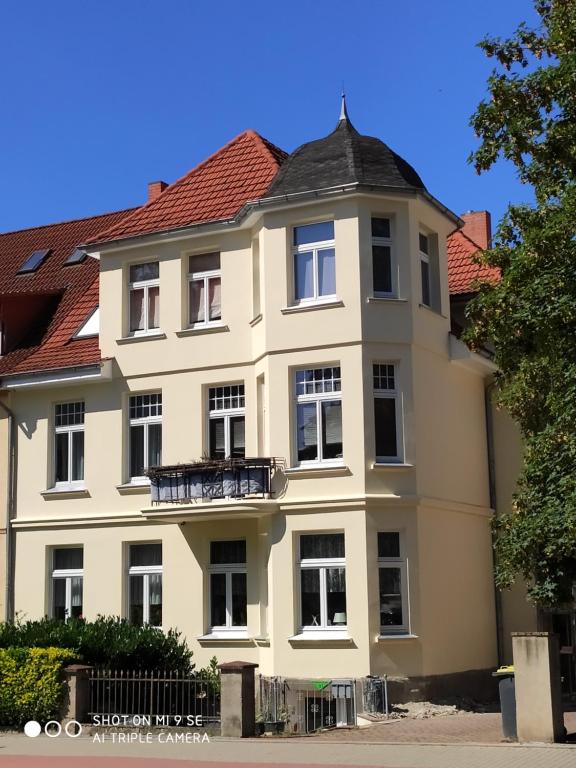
[212, 479]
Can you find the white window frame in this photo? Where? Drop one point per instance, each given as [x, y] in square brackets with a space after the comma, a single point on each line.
[134, 422]
[387, 242]
[318, 398]
[228, 569]
[321, 564]
[146, 571]
[146, 285]
[400, 562]
[425, 257]
[204, 276]
[66, 574]
[316, 298]
[227, 414]
[69, 429]
[389, 394]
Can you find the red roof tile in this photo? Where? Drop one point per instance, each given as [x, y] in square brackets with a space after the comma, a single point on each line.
[463, 272]
[215, 190]
[75, 288]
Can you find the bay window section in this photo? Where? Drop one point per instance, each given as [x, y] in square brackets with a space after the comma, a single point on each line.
[314, 257]
[145, 584]
[392, 583]
[319, 415]
[69, 444]
[382, 275]
[228, 587]
[67, 582]
[386, 413]
[145, 412]
[144, 298]
[204, 290]
[226, 422]
[322, 582]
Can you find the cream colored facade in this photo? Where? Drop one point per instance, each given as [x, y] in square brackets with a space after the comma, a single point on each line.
[437, 496]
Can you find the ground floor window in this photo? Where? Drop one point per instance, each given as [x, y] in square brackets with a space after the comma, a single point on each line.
[145, 584]
[228, 593]
[392, 583]
[322, 581]
[67, 582]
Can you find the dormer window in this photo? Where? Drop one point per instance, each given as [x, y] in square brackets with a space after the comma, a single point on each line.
[144, 290]
[314, 262]
[34, 261]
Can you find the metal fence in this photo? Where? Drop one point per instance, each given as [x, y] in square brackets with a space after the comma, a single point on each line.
[164, 696]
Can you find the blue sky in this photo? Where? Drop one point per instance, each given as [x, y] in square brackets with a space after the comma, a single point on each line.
[98, 97]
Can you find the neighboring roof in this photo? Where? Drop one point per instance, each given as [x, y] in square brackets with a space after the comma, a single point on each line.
[74, 288]
[463, 271]
[215, 190]
[343, 157]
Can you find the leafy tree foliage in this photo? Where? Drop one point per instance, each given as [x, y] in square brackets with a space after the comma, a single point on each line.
[529, 316]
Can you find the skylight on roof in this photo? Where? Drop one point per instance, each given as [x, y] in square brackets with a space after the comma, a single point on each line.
[78, 255]
[34, 261]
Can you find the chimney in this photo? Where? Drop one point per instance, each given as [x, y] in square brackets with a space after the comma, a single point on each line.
[155, 189]
[478, 227]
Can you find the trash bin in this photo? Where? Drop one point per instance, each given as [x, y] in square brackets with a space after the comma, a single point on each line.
[507, 691]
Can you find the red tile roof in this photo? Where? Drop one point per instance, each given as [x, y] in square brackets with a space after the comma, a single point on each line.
[74, 287]
[463, 272]
[215, 190]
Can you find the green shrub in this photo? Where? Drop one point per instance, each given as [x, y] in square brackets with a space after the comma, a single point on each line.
[106, 642]
[32, 686]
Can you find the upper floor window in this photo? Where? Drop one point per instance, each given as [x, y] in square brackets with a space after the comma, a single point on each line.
[386, 412]
[392, 583]
[314, 261]
[145, 584]
[425, 269]
[144, 291]
[67, 582]
[69, 443]
[204, 289]
[319, 415]
[226, 421]
[145, 433]
[382, 278]
[322, 581]
[228, 594]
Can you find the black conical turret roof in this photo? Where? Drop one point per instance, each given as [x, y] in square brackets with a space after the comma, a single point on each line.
[343, 157]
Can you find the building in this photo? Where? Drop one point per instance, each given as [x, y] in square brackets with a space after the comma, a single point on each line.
[256, 422]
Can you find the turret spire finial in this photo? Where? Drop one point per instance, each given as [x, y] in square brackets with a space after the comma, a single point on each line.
[343, 110]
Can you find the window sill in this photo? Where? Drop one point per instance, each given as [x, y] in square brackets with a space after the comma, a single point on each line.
[436, 312]
[65, 492]
[256, 320]
[141, 337]
[389, 299]
[390, 465]
[309, 306]
[322, 637]
[234, 638]
[337, 470]
[130, 488]
[198, 330]
[399, 636]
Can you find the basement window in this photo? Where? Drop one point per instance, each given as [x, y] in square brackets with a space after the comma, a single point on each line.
[34, 261]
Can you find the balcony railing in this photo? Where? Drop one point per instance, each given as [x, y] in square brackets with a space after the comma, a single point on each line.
[212, 479]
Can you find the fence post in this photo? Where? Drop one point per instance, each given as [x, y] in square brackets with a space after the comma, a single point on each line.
[77, 702]
[237, 699]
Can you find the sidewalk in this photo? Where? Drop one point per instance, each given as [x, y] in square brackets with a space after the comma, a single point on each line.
[19, 751]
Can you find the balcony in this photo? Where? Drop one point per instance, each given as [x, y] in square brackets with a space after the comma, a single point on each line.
[213, 479]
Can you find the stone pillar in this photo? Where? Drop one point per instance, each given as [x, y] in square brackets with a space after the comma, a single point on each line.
[237, 698]
[538, 695]
[77, 702]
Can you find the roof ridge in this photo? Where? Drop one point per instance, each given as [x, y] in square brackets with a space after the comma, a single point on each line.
[69, 221]
[467, 237]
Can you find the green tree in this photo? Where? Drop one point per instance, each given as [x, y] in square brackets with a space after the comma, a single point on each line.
[529, 316]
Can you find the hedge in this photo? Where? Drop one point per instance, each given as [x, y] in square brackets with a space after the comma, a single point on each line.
[106, 642]
[32, 686]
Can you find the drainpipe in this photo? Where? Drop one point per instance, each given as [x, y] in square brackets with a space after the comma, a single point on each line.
[492, 493]
[10, 506]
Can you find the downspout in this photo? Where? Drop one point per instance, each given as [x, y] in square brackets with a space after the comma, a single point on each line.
[10, 506]
[493, 503]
